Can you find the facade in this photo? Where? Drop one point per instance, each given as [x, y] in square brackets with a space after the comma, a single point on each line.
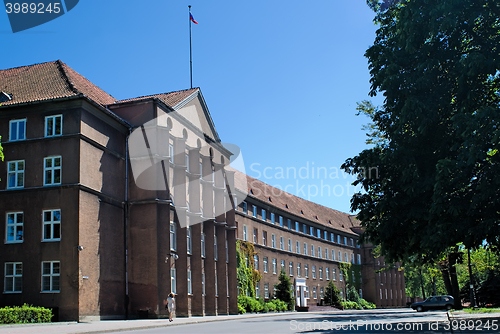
[85, 235]
[109, 205]
[310, 242]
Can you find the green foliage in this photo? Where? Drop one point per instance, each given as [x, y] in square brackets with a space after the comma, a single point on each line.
[332, 295]
[249, 304]
[350, 305]
[283, 290]
[246, 274]
[24, 314]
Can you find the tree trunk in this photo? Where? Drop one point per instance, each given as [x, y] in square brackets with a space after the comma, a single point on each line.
[422, 283]
[446, 277]
[454, 280]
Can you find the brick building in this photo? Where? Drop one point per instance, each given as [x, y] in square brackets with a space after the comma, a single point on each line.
[98, 225]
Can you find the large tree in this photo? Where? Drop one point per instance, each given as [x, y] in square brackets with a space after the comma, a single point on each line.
[437, 63]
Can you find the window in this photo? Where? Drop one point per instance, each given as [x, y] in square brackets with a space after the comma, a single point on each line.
[320, 255]
[254, 211]
[202, 244]
[346, 258]
[359, 258]
[327, 273]
[171, 154]
[173, 282]
[289, 245]
[320, 272]
[311, 230]
[189, 242]
[334, 274]
[15, 221]
[255, 235]
[282, 243]
[13, 277]
[52, 171]
[173, 237]
[352, 258]
[318, 233]
[345, 240]
[340, 275]
[290, 268]
[244, 206]
[15, 174]
[304, 228]
[256, 262]
[325, 235]
[215, 246]
[340, 256]
[312, 250]
[264, 238]
[315, 296]
[51, 225]
[297, 226]
[299, 273]
[263, 214]
[307, 292]
[53, 126]
[281, 221]
[273, 241]
[266, 268]
[314, 272]
[338, 238]
[50, 276]
[332, 239]
[305, 248]
[289, 222]
[326, 253]
[306, 270]
[245, 234]
[321, 292]
[187, 162]
[257, 290]
[333, 254]
[275, 266]
[272, 218]
[266, 290]
[352, 242]
[297, 247]
[17, 130]
[190, 285]
[282, 264]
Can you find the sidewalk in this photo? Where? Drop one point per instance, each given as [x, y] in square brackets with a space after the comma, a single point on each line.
[105, 326]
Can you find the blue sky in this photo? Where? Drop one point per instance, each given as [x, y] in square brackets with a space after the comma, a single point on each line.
[281, 78]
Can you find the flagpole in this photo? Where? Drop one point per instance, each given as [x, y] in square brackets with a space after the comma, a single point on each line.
[190, 50]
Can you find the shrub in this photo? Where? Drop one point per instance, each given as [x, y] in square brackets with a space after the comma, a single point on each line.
[332, 295]
[284, 291]
[24, 314]
[348, 304]
[366, 305]
[241, 309]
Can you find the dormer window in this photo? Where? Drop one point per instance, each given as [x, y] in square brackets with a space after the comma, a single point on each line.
[4, 97]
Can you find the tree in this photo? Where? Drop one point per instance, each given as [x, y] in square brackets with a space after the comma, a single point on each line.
[438, 66]
[332, 295]
[283, 290]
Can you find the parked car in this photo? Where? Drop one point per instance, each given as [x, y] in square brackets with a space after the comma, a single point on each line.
[434, 303]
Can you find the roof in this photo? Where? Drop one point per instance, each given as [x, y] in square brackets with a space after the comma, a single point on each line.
[48, 81]
[170, 99]
[295, 205]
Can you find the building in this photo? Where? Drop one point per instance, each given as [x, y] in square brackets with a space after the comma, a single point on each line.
[310, 242]
[84, 232]
[110, 205]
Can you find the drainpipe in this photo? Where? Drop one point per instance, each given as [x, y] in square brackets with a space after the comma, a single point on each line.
[125, 223]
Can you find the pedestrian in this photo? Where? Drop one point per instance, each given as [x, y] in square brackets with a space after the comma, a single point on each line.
[171, 306]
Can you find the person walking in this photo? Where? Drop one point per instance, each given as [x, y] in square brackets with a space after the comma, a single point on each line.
[171, 306]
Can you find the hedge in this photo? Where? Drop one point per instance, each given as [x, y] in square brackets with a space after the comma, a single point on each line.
[24, 314]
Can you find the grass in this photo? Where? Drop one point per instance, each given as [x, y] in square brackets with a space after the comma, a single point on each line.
[481, 310]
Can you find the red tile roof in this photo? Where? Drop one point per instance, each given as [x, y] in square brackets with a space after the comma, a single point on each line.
[47, 81]
[297, 206]
[170, 99]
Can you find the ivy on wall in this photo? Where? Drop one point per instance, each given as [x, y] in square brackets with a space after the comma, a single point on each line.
[246, 273]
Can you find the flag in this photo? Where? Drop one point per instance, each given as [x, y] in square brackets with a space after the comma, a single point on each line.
[192, 19]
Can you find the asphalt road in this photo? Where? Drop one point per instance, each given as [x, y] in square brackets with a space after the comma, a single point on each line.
[367, 321]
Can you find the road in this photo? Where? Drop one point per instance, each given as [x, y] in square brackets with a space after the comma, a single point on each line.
[367, 321]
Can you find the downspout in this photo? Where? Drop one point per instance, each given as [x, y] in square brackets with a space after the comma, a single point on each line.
[125, 223]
